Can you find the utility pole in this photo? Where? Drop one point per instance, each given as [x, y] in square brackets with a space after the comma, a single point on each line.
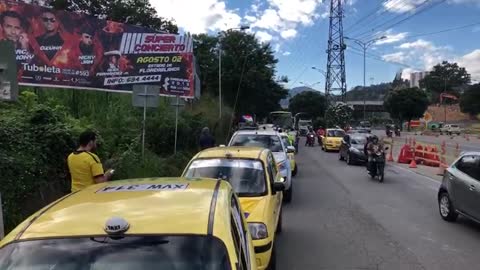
[335, 83]
[365, 45]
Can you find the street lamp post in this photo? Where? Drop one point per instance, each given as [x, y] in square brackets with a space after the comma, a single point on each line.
[365, 45]
[220, 34]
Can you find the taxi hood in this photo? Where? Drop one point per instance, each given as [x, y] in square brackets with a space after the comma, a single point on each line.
[254, 208]
[279, 156]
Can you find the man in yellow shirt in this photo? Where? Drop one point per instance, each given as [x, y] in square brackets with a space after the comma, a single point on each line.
[84, 166]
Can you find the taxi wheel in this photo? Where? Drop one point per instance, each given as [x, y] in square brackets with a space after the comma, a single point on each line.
[280, 223]
[294, 172]
[287, 195]
[272, 265]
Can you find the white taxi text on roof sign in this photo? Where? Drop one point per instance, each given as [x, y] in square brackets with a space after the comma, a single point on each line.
[142, 187]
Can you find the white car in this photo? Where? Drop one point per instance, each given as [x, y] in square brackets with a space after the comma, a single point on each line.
[269, 139]
[451, 129]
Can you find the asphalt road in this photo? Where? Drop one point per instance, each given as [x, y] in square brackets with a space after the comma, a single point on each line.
[341, 219]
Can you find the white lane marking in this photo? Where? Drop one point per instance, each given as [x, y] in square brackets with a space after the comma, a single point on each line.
[423, 176]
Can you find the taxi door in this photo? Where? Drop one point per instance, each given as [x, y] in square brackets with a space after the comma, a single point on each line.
[242, 238]
[275, 202]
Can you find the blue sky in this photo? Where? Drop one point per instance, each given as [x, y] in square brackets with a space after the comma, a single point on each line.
[298, 31]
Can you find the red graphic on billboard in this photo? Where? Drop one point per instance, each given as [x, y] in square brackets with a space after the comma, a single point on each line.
[69, 50]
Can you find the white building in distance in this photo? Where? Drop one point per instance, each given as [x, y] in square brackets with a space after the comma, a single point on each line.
[415, 78]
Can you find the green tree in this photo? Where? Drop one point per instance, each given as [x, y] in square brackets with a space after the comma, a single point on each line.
[138, 12]
[406, 104]
[249, 80]
[470, 100]
[339, 115]
[310, 102]
[445, 76]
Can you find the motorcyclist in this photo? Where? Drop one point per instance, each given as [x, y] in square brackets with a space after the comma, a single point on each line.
[372, 147]
[310, 132]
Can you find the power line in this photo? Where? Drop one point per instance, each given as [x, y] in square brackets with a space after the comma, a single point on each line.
[375, 56]
[408, 17]
[444, 30]
[385, 10]
[359, 21]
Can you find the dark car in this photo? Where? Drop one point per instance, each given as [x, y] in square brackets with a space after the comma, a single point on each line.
[351, 149]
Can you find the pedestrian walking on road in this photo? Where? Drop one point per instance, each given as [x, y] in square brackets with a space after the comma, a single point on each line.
[84, 165]
[206, 139]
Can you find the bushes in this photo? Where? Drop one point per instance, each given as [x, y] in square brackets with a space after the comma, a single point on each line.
[37, 136]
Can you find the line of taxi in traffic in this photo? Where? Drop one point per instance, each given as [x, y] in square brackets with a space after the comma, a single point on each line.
[224, 212]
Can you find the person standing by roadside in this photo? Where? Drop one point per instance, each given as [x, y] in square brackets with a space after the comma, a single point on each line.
[206, 139]
[85, 166]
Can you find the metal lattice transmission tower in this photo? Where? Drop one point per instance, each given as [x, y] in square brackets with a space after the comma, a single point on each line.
[335, 83]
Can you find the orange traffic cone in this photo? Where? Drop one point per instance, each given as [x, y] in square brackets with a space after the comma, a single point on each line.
[413, 164]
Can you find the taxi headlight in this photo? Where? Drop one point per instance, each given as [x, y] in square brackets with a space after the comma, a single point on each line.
[257, 230]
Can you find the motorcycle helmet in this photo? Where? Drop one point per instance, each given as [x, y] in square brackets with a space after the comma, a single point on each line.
[374, 138]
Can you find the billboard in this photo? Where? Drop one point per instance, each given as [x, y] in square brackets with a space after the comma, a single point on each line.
[70, 50]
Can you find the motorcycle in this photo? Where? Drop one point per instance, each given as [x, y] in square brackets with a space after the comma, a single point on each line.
[397, 132]
[389, 133]
[377, 165]
[310, 140]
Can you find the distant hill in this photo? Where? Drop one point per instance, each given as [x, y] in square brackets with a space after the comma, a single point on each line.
[373, 92]
[293, 92]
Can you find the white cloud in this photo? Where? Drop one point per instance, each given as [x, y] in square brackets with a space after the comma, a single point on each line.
[250, 19]
[471, 62]
[395, 57]
[391, 37]
[288, 34]
[286, 53]
[198, 16]
[268, 20]
[419, 44]
[420, 54]
[282, 18]
[397, 6]
[263, 36]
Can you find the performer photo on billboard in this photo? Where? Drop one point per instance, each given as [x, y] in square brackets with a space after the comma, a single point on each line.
[13, 27]
[51, 41]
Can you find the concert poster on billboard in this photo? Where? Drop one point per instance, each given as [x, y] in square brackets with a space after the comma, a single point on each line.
[71, 50]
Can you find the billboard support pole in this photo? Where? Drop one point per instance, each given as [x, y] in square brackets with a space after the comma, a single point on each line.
[2, 229]
[177, 105]
[144, 122]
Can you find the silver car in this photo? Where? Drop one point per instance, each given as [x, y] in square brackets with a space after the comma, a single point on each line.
[269, 139]
[460, 189]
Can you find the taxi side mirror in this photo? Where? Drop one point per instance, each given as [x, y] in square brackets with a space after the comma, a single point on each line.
[278, 186]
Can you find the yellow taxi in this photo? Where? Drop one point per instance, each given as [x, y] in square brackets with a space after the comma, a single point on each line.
[290, 152]
[253, 174]
[162, 223]
[332, 140]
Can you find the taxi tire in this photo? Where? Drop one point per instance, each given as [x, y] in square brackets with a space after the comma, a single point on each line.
[280, 223]
[288, 194]
[272, 264]
[294, 172]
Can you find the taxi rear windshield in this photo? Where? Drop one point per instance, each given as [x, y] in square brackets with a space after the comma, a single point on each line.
[127, 253]
[247, 177]
[271, 142]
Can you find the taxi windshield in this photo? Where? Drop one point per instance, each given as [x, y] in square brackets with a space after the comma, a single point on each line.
[286, 141]
[247, 177]
[126, 253]
[335, 133]
[271, 142]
